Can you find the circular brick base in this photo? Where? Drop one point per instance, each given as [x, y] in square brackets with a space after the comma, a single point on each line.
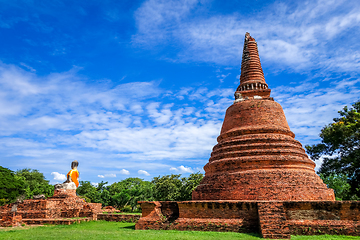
[280, 185]
[257, 158]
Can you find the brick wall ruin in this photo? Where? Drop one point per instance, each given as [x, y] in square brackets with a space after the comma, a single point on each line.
[64, 204]
[115, 217]
[272, 219]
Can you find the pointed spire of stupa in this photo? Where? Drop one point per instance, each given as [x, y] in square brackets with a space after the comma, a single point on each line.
[252, 80]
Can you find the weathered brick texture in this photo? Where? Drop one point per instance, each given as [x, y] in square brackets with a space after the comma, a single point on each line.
[114, 217]
[316, 218]
[272, 219]
[200, 216]
[10, 219]
[257, 157]
[64, 204]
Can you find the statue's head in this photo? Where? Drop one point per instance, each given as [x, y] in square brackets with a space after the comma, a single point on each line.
[74, 164]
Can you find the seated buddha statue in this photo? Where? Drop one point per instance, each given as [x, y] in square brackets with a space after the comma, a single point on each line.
[73, 174]
[72, 181]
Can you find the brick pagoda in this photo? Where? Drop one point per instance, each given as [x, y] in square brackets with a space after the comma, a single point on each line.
[257, 157]
[258, 178]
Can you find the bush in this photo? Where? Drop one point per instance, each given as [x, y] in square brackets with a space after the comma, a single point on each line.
[126, 209]
[11, 186]
[3, 201]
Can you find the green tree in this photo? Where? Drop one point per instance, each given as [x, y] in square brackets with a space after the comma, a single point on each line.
[189, 184]
[129, 191]
[339, 183]
[87, 190]
[167, 188]
[34, 183]
[340, 149]
[105, 197]
[11, 186]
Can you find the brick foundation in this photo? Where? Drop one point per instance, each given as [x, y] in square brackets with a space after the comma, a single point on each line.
[118, 217]
[64, 204]
[10, 219]
[272, 219]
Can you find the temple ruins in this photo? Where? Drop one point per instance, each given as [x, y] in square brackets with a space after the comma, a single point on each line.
[258, 178]
[64, 207]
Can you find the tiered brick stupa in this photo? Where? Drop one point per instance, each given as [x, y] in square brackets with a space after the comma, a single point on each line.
[258, 178]
[257, 157]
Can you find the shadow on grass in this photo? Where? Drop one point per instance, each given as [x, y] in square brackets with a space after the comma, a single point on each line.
[132, 227]
[253, 234]
[128, 227]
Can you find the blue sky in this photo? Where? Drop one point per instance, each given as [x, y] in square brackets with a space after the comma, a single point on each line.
[140, 88]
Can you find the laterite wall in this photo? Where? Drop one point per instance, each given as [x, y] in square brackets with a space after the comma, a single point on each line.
[272, 219]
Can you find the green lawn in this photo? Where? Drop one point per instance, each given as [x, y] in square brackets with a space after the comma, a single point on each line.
[115, 230]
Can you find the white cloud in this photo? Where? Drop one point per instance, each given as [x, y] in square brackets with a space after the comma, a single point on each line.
[124, 172]
[110, 175]
[303, 36]
[182, 169]
[63, 102]
[58, 176]
[143, 172]
[185, 169]
[101, 176]
[309, 108]
[28, 67]
[92, 123]
[160, 14]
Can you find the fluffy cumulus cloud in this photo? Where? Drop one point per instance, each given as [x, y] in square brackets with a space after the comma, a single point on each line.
[101, 176]
[182, 169]
[143, 172]
[124, 172]
[58, 176]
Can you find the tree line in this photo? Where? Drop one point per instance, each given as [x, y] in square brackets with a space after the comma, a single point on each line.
[24, 183]
[123, 195]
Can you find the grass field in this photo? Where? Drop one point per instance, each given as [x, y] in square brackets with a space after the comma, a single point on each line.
[115, 230]
[122, 213]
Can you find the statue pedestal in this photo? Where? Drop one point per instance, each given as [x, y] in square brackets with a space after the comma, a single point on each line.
[65, 190]
[61, 193]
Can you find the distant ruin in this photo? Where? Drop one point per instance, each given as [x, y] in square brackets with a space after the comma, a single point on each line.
[64, 207]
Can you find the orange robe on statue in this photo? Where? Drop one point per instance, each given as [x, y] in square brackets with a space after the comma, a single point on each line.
[74, 174]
